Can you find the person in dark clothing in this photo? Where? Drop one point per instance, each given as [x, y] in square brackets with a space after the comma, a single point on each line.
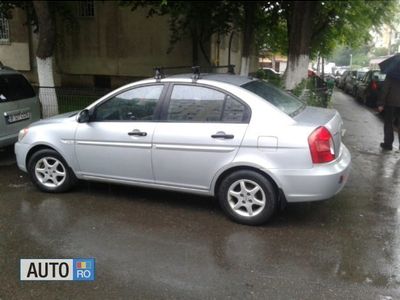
[390, 103]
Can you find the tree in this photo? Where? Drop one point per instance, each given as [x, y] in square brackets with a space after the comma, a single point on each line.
[249, 26]
[336, 22]
[44, 57]
[299, 23]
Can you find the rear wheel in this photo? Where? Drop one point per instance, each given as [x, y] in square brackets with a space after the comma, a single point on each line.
[247, 197]
[49, 171]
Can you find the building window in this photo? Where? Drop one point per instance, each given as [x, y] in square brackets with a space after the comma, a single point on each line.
[4, 30]
[86, 8]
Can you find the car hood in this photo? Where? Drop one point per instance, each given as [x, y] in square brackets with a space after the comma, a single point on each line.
[66, 117]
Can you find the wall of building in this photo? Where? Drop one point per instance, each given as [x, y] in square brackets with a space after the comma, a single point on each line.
[220, 52]
[15, 53]
[111, 48]
[116, 42]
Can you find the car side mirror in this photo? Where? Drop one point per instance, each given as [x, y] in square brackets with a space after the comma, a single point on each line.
[84, 116]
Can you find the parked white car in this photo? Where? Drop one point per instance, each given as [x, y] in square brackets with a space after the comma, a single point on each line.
[241, 139]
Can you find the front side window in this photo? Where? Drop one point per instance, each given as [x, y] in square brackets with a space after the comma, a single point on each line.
[200, 104]
[137, 104]
[283, 101]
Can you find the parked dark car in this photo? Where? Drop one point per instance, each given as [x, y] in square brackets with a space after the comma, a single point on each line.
[352, 81]
[369, 88]
[342, 79]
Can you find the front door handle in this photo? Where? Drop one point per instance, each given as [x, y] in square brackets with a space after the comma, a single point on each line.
[222, 135]
[137, 132]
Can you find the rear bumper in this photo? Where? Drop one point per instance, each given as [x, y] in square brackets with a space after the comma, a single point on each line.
[319, 183]
[21, 150]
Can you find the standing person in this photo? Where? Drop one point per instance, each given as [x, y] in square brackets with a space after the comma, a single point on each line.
[390, 102]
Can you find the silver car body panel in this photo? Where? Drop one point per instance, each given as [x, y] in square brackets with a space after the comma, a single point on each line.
[184, 157]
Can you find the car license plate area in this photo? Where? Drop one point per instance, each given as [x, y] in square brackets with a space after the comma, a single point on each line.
[17, 117]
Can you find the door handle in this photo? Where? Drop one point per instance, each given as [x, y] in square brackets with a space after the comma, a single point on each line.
[137, 132]
[222, 135]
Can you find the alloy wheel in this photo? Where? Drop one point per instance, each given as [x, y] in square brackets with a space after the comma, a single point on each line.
[50, 172]
[246, 198]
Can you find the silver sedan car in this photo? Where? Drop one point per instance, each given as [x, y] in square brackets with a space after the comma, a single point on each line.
[243, 140]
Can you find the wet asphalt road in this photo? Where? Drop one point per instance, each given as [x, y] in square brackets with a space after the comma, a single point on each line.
[152, 244]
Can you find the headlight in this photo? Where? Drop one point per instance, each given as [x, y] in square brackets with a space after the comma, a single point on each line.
[22, 133]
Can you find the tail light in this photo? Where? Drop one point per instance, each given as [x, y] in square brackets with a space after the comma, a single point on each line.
[321, 146]
[374, 85]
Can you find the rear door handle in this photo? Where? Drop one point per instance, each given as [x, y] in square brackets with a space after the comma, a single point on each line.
[137, 132]
[222, 135]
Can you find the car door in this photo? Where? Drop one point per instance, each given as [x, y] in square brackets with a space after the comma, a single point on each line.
[201, 131]
[117, 142]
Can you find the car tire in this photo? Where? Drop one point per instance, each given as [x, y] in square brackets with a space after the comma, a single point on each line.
[247, 197]
[50, 172]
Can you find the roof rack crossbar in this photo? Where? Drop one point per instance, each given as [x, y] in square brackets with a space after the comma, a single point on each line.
[159, 71]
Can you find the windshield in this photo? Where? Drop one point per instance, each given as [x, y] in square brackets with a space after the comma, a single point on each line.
[284, 101]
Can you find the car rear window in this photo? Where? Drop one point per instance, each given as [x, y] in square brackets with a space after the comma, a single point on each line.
[381, 77]
[284, 101]
[14, 87]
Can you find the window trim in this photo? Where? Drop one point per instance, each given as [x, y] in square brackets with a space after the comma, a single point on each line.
[157, 110]
[167, 101]
[80, 5]
[6, 22]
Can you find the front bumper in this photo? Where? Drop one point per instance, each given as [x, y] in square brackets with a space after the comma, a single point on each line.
[318, 183]
[21, 151]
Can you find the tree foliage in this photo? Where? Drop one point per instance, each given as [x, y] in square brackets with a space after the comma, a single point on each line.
[59, 9]
[336, 22]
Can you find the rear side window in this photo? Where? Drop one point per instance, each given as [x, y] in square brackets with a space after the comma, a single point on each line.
[283, 101]
[14, 87]
[200, 104]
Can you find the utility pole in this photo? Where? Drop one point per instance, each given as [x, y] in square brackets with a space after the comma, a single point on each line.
[351, 60]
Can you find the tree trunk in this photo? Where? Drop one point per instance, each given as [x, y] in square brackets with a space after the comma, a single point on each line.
[44, 58]
[250, 9]
[300, 23]
[323, 69]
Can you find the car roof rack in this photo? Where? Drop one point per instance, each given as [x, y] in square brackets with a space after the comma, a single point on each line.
[159, 72]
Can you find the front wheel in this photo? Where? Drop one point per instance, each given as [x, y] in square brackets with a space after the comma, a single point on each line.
[49, 171]
[247, 197]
